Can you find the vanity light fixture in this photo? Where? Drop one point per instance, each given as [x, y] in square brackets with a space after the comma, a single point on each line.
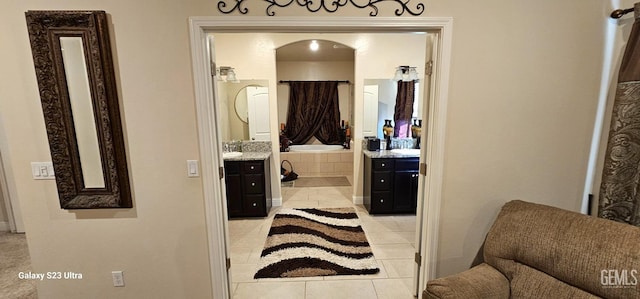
[314, 45]
[227, 73]
[406, 73]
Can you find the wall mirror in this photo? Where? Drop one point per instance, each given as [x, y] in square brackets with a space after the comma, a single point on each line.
[379, 104]
[74, 68]
[242, 105]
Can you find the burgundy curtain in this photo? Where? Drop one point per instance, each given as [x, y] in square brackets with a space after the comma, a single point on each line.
[313, 111]
[620, 188]
[404, 109]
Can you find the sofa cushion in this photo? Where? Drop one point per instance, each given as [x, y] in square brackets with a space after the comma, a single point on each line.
[527, 282]
[596, 255]
[479, 282]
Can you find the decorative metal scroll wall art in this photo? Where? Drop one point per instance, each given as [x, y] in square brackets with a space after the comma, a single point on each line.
[329, 6]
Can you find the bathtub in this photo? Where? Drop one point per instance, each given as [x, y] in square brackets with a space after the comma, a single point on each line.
[315, 148]
[319, 160]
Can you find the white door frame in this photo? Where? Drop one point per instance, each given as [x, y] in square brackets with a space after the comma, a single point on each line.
[210, 151]
[14, 226]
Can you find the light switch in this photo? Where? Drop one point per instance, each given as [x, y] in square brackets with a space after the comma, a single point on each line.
[192, 168]
[42, 170]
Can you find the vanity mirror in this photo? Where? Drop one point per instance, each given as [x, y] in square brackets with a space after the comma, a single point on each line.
[379, 104]
[243, 106]
[74, 68]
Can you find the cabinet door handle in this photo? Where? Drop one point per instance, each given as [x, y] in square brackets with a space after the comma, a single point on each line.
[382, 200]
[382, 181]
[255, 204]
[252, 167]
[253, 184]
[382, 164]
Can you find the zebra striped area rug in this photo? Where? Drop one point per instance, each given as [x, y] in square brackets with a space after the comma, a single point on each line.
[316, 242]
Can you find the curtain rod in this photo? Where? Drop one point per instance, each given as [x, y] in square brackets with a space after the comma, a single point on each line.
[339, 81]
[618, 13]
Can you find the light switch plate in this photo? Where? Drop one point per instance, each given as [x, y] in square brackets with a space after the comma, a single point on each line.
[42, 171]
[192, 168]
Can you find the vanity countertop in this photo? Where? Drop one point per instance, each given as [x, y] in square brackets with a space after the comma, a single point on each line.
[250, 156]
[386, 154]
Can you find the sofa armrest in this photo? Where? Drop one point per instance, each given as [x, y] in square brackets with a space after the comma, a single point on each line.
[482, 281]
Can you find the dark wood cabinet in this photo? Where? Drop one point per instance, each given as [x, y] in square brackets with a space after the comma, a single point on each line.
[248, 188]
[390, 185]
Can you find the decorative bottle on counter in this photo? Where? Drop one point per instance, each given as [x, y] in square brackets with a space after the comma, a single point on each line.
[418, 133]
[413, 128]
[387, 131]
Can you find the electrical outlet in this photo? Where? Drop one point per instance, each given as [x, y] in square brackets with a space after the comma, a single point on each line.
[118, 279]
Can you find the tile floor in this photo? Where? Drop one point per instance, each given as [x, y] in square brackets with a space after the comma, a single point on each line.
[391, 239]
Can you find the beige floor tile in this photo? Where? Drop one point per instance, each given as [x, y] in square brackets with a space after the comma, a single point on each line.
[254, 256]
[300, 204]
[234, 286]
[249, 240]
[334, 203]
[404, 226]
[400, 268]
[243, 272]
[394, 288]
[379, 226]
[340, 289]
[408, 236]
[379, 237]
[240, 255]
[393, 251]
[328, 197]
[270, 290]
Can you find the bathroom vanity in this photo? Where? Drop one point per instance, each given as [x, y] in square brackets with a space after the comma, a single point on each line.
[390, 182]
[248, 183]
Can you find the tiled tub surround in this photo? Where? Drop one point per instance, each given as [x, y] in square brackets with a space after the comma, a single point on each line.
[331, 163]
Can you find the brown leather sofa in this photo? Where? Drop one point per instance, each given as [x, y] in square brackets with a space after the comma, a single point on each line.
[537, 251]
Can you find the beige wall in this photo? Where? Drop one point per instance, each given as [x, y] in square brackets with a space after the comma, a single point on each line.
[161, 243]
[523, 91]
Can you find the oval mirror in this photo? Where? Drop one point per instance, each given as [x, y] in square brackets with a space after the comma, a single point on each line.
[241, 105]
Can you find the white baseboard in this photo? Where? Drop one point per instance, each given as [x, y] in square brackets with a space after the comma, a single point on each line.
[4, 226]
[358, 200]
[276, 201]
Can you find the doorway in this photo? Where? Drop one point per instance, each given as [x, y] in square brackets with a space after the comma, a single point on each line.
[431, 177]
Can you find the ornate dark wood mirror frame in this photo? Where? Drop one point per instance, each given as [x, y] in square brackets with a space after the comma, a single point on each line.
[89, 29]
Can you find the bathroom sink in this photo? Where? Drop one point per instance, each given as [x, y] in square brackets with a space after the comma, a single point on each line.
[231, 154]
[406, 151]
